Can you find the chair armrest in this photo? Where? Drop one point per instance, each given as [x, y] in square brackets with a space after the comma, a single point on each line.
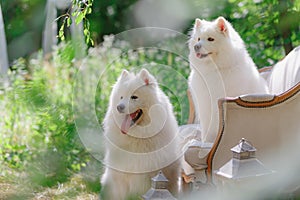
[257, 97]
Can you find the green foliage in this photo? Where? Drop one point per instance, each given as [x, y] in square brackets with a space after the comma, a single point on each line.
[110, 17]
[268, 27]
[80, 10]
[263, 24]
[39, 134]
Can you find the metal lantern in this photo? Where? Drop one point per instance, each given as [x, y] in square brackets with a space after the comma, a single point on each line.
[158, 189]
[243, 164]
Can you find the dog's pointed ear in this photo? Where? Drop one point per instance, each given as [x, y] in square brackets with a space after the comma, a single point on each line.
[146, 77]
[221, 24]
[197, 23]
[124, 73]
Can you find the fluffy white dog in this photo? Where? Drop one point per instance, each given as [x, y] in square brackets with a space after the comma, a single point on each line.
[141, 137]
[220, 67]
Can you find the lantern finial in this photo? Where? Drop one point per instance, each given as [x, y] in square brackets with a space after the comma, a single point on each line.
[244, 150]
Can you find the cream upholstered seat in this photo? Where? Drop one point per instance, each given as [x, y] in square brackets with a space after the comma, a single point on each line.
[268, 121]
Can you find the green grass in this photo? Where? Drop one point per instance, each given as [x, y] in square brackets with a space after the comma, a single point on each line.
[74, 188]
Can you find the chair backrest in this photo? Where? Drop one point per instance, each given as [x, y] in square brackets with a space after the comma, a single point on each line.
[286, 73]
[268, 122]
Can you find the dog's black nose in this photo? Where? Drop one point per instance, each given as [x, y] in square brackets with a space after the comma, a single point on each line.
[121, 107]
[197, 47]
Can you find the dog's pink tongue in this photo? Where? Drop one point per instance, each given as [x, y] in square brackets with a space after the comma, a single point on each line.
[199, 55]
[126, 124]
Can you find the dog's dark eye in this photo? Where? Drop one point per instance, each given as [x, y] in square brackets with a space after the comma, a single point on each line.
[121, 97]
[198, 39]
[134, 97]
[210, 39]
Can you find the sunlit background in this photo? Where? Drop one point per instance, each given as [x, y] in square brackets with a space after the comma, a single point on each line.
[41, 155]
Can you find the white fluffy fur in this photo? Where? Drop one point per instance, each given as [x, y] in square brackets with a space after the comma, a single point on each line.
[227, 71]
[132, 159]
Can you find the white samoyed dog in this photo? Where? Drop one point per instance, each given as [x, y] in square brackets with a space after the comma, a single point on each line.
[141, 138]
[220, 67]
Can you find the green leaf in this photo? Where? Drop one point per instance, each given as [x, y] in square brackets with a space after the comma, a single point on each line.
[69, 21]
[61, 33]
[79, 18]
[85, 31]
[89, 10]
